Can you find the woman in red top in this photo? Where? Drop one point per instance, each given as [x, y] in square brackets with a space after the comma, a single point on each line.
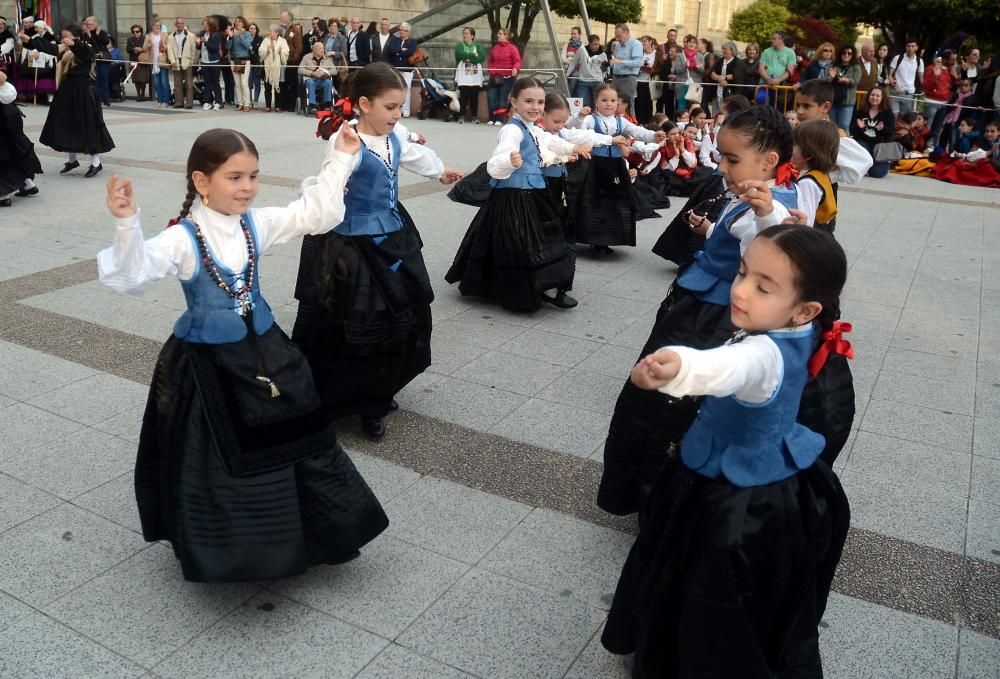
[938, 83]
[503, 66]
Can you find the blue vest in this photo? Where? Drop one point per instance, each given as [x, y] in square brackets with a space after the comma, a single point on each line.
[713, 270]
[754, 444]
[607, 151]
[372, 192]
[558, 170]
[211, 316]
[529, 175]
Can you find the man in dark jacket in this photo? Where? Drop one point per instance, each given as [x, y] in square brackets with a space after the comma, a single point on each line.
[292, 33]
[359, 47]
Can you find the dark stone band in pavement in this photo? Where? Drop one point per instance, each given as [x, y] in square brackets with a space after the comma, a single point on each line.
[888, 571]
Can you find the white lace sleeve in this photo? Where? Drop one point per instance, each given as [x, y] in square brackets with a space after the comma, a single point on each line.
[750, 370]
[132, 262]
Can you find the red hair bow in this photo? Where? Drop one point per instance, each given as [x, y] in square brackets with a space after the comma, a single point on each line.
[330, 121]
[833, 343]
[784, 175]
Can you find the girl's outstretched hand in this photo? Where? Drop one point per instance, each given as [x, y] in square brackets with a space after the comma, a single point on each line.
[656, 370]
[450, 175]
[660, 136]
[758, 196]
[584, 112]
[121, 201]
[582, 151]
[348, 140]
[797, 217]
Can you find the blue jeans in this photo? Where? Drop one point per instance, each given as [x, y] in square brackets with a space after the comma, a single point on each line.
[103, 82]
[841, 115]
[499, 97]
[255, 84]
[162, 84]
[934, 114]
[879, 169]
[324, 85]
[585, 90]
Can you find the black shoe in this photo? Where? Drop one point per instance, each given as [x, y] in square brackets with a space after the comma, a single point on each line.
[24, 193]
[311, 111]
[373, 426]
[106, 102]
[393, 406]
[68, 167]
[93, 170]
[5, 202]
[561, 300]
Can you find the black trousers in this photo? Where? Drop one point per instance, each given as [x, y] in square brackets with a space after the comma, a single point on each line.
[270, 92]
[289, 89]
[468, 99]
[643, 104]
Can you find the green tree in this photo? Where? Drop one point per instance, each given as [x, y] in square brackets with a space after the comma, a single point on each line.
[519, 16]
[929, 22]
[758, 22]
[605, 11]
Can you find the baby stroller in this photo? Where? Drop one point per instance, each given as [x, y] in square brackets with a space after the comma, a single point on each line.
[116, 75]
[434, 98]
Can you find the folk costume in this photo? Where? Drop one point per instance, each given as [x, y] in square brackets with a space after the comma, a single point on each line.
[18, 162]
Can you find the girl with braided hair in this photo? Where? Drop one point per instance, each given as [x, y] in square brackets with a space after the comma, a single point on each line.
[238, 465]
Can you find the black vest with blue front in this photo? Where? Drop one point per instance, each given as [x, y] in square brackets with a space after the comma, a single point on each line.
[611, 151]
[212, 317]
[372, 193]
[529, 175]
[713, 270]
[754, 444]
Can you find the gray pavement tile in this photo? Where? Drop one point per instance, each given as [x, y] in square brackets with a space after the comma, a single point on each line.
[948, 299]
[125, 425]
[639, 286]
[986, 480]
[878, 288]
[893, 263]
[931, 366]
[447, 356]
[924, 515]
[396, 662]
[959, 270]
[489, 312]
[983, 540]
[552, 348]
[465, 403]
[494, 627]
[382, 591]
[408, 396]
[270, 636]
[867, 313]
[584, 389]
[52, 554]
[21, 501]
[6, 401]
[916, 423]
[910, 463]
[588, 281]
[458, 522]
[39, 647]
[115, 501]
[987, 389]
[926, 331]
[93, 399]
[143, 608]
[952, 396]
[867, 640]
[596, 662]
[555, 426]
[75, 464]
[476, 330]
[386, 479]
[511, 373]
[987, 437]
[977, 656]
[636, 335]
[586, 323]
[612, 360]
[24, 427]
[561, 554]
[12, 610]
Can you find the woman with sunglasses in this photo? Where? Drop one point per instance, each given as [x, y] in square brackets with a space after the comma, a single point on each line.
[844, 75]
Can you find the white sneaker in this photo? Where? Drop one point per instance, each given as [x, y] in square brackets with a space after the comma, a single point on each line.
[215, 107]
[206, 107]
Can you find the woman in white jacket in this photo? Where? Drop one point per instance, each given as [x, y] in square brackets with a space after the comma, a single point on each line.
[273, 56]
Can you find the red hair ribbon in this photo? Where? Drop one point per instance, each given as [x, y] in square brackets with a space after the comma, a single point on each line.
[785, 174]
[330, 121]
[833, 343]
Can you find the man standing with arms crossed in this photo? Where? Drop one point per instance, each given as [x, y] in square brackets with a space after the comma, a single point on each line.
[181, 51]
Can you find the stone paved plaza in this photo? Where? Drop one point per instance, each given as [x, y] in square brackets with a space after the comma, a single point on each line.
[497, 563]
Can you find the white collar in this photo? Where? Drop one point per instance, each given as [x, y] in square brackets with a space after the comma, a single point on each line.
[798, 328]
[213, 221]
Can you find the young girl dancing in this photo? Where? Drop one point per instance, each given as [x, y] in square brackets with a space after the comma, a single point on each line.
[731, 571]
[755, 146]
[515, 250]
[364, 318]
[18, 162]
[817, 143]
[601, 203]
[238, 466]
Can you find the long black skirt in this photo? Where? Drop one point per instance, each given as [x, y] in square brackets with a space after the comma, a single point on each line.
[515, 249]
[307, 505]
[17, 154]
[472, 189]
[601, 202]
[730, 582]
[364, 319]
[75, 123]
[678, 243]
[647, 426]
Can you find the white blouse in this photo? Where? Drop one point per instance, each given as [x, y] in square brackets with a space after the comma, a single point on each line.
[510, 138]
[609, 125]
[7, 93]
[132, 262]
[414, 157]
[853, 162]
[748, 225]
[750, 370]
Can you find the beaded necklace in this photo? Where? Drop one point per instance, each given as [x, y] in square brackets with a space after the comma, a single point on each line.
[387, 161]
[704, 206]
[242, 296]
[532, 137]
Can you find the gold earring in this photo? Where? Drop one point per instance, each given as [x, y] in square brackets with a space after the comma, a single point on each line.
[204, 199]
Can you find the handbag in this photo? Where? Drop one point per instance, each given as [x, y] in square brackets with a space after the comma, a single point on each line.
[342, 69]
[693, 93]
[418, 57]
[496, 81]
[239, 65]
[887, 151]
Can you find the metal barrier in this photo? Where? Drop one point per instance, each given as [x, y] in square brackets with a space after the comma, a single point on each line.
[781, 96]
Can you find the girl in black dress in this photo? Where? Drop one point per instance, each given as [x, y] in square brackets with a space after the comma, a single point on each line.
[75, 123]
[18, 162]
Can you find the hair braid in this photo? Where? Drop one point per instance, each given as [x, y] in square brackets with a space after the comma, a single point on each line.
[188, 200]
